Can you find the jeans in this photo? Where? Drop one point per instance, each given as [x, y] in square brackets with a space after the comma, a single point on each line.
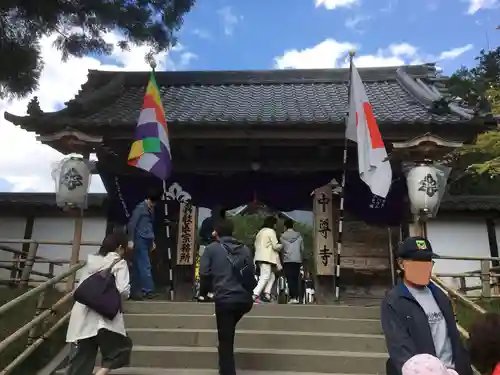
[292, 274]
[227, 317]
[142, 278]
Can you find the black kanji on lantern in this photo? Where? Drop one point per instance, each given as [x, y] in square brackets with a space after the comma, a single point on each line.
[72, 179]
[323, 201]
[325, 254]
[324, 227]
[428, 185]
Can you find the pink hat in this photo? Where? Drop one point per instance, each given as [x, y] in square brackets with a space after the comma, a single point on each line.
[426, 364]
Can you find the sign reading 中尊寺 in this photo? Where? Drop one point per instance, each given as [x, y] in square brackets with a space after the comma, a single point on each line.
[324, 229]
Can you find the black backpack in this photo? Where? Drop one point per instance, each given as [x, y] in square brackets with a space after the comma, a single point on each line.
[243, 268]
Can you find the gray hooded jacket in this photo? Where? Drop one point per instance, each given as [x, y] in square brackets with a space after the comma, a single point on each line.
[293, 246]
[216, 269]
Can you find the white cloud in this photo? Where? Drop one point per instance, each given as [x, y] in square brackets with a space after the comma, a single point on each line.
[229, 19]
[26, 163]
[475, 5]
[455, 52]
[323, 55]
[333, 54]
[333, 4]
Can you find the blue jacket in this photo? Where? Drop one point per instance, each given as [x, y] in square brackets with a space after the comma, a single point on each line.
[407, 332]
[140, 223]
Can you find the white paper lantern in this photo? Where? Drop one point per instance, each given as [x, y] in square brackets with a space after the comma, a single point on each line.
[72, 179]
[423, 189]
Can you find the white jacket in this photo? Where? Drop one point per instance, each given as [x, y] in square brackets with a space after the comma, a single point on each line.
[84, 322]
[267, 246]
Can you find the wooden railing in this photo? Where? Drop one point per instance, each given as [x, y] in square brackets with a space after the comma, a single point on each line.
[31, 328]
[488, 275]
[22, 264]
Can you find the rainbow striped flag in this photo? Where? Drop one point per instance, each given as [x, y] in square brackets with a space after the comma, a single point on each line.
[151, 148]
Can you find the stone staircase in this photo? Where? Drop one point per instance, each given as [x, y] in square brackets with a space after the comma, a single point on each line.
[181, 338]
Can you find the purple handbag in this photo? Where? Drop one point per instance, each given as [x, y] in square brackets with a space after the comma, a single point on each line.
[99, 293]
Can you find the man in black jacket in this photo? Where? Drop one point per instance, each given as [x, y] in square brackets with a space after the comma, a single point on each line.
[417, 317]
[232, 300]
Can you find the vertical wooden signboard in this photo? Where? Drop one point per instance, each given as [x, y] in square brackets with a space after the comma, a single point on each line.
[324, 231]
[187, 234]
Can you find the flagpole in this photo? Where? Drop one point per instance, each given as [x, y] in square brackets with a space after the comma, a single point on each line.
[169, 248]
[340, 242]
[152, 64]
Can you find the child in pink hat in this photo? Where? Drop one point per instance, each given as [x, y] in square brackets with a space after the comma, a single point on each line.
[426, 364]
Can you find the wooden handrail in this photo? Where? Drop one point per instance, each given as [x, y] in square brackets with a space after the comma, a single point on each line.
[40, 316]
[455, 294]
[11, 250]
[39, 289]
[47, 242]
[453, 257]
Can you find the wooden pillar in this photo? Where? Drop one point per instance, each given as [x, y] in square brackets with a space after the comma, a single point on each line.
[15, 274]
[325, 231]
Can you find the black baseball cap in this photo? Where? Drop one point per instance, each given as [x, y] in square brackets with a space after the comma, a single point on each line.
[416, 248]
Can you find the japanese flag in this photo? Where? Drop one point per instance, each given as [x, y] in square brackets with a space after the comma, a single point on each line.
[362, 128]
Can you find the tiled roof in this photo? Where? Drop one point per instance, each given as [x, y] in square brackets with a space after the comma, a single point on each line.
[473, 203]
[411, 94]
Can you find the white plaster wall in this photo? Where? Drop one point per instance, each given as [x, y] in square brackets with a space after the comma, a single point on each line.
[10, 228]
[62, 229]
[459, 237]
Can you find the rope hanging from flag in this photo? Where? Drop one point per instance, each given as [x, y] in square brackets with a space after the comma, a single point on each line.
[151, 150]
[373, 167]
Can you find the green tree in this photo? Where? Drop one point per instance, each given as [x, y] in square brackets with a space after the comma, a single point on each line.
[479, 87]
[80, 26]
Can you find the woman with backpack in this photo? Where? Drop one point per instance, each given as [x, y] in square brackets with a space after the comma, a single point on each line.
[90, 331]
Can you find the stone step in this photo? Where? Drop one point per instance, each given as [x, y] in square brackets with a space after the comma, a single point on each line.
[254, 322]
[162, 371]
[174, 357]
[260, 339]
[314, 311]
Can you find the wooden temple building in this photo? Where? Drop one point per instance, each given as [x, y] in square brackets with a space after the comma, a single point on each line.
[276, 134]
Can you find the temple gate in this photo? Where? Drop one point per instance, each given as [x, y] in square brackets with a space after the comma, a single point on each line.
[278, 135]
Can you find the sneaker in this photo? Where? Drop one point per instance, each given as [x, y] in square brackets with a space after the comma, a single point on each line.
[293, 301]
[267, 298]
[256, 300]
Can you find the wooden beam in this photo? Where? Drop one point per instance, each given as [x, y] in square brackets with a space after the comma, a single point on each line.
[283, 166]
[390, 132]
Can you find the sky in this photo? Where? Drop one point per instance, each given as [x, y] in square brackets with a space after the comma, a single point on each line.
[260, 34]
